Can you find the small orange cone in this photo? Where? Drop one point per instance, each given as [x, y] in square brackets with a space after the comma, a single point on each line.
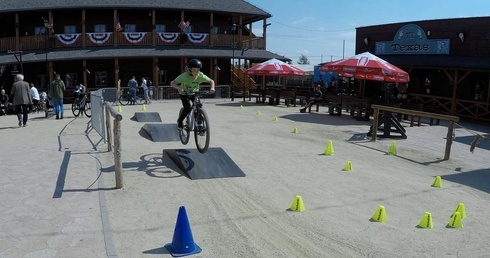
[380, 214]
[455, 221]
[461, 210]
[426, 221]
[437, 182]
[329, 148]
[348, 166]
[297, 204]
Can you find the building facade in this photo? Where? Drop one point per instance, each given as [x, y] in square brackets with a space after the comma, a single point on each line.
[448, 61]
[98, 43]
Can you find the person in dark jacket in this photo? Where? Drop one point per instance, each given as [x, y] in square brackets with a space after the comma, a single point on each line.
[317, 97]
[21, 98]
[56, 94]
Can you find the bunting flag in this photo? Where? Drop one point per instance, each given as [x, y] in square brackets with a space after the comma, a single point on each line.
[168, 37]
[67, 39]
[99, 38]
[196, 38]
[118, 25]
[184, 25]
[49, 25]
[134, 37]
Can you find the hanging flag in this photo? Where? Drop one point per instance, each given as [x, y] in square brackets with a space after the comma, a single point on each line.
[118, 25]
[49, 25]
[184, 25]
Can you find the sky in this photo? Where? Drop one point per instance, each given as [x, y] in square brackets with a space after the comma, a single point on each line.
[325, 30]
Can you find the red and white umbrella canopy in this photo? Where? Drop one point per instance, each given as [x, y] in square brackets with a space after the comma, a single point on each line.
[274, 67]
[368, 67]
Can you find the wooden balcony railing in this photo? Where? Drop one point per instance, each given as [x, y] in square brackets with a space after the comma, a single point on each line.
[27, 43]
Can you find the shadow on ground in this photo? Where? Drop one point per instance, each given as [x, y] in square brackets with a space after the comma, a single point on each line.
[477, 179]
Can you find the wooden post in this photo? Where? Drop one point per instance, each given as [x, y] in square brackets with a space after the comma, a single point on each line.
[117, 153]
[375, 125]
[108, 129]
[449, 139]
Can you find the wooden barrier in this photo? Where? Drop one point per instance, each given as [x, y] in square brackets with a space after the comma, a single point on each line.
[450, 119]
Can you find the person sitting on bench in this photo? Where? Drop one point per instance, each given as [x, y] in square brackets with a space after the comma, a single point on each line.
[317, 97]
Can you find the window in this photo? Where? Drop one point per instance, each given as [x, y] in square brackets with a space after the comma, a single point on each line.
[99, 28]
[100, 79]
[129, 27]
[39, 30]
[162, 79]
[71, 80]
[189, 29]
[41, 82]
[70, 29]
[160, 27]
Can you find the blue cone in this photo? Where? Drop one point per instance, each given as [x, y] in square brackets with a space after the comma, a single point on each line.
[182, 242]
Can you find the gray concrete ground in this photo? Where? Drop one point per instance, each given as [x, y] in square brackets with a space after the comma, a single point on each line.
[58, 197]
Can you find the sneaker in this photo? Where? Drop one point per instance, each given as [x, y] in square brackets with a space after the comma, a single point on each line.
[20, 123]
[25, 125]
[303, 110]
[57, 117]
[179, 126]
[61, 117]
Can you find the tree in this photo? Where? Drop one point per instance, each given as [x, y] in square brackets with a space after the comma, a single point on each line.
[303, 60]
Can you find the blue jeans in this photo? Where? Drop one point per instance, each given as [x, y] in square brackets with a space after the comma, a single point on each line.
[58, 106]
[132, 96]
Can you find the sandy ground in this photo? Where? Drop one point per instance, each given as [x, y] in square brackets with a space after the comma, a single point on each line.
[249, 216]
[242, 216]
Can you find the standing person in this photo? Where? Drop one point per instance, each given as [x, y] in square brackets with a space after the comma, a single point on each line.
[56, 93]
[145, 90]
[132, 84]
[188, 83]
[21, 98]
[35, 97]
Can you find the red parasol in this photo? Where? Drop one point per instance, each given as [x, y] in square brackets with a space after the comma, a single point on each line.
[368, 67]
[274, 67]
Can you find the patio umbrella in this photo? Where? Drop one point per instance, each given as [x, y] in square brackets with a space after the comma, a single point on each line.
[274, 67]
[366, 66]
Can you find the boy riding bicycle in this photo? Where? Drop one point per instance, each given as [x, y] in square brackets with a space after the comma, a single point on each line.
[187, 83]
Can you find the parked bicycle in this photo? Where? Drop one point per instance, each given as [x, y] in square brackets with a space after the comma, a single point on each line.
[125, 98]
[196, 121]
[81, 105]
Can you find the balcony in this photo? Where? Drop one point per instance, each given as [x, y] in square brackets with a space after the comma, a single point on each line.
[41, 42]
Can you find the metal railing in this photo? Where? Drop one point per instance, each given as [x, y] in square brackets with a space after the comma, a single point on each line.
[111, 130]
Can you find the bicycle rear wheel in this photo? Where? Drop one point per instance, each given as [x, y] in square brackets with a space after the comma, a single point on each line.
[185, 133]
[140, 99]
[75, 108]
[201, 131]
[87, 109]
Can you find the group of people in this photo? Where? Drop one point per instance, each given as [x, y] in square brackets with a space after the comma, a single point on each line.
[187, 83]
[132, 85]
[26, 97]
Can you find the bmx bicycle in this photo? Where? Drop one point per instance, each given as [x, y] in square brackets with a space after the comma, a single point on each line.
[82, 105]
[197, 122]
[125, 97]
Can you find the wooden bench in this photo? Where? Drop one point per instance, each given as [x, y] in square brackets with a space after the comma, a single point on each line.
[332, 102]
[359, 108]
[411, 117]
[289, 97]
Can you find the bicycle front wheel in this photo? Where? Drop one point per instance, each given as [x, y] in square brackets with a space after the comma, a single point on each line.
[201, 131]
[185, 133]
[87, 109]
[75, 108]
[124, 99]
